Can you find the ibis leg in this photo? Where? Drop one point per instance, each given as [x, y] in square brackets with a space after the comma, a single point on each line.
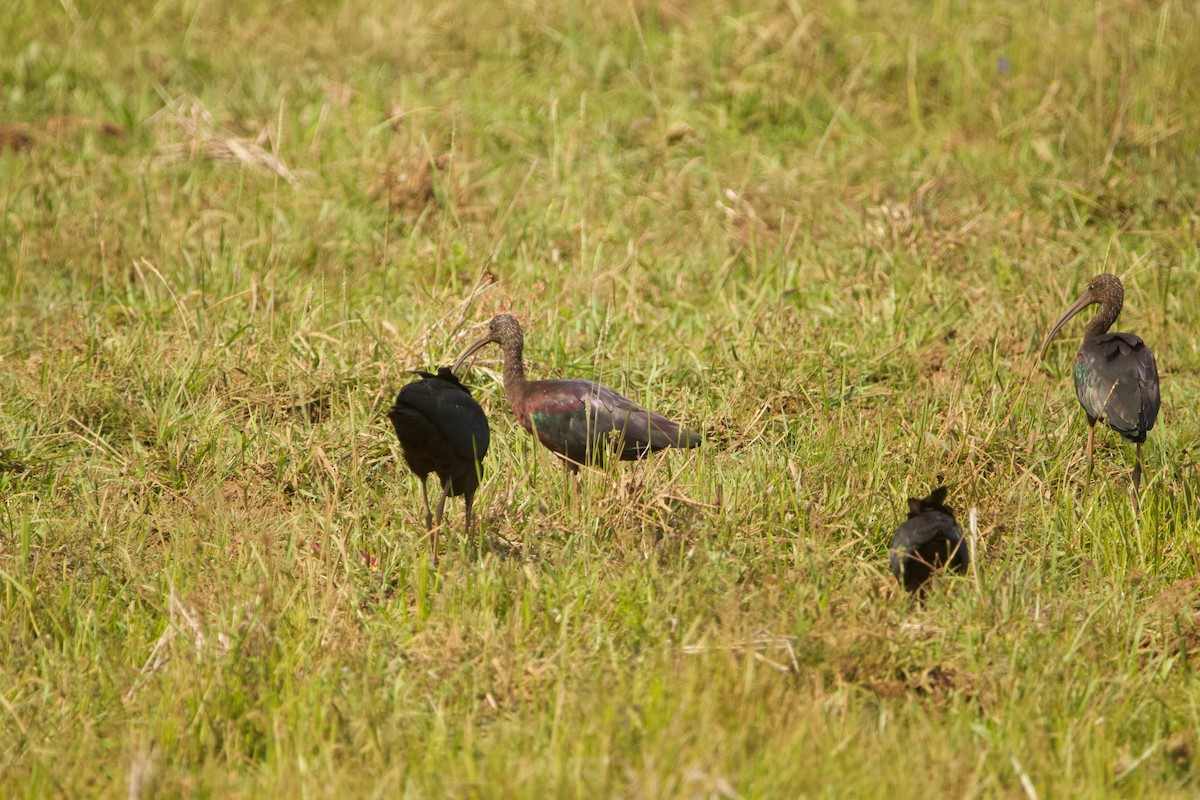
[441, 509]
[437, 520]
[437, 525]
[1091, 440]
[573, 473]
[1090, 444]
[425, 497]
[1137, 470]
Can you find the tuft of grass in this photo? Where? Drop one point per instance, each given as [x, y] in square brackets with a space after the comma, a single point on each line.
[830, 236]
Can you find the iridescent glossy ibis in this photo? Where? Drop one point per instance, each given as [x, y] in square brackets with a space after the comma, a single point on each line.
[444, 431]
[582, 422]
[928, 540]
[1116, 379]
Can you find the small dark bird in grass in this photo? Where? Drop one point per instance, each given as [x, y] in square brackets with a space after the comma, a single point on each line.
[582, 422]
[444, 431]
[928, 540]
[1116, 379]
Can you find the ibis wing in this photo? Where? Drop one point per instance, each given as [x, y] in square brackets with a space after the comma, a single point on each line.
[557, 413]
[640, 430]
[1116, 380]
[925, 527]
[464, 425]
[449, 409]
[415, 411]
[580, 419]
[924, 541]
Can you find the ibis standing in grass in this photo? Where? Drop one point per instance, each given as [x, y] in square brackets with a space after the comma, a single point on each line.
[1116, 379]
[927, 541]
[444, 431]
[582, 422]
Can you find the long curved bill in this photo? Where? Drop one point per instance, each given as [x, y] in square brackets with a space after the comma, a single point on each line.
[1083, 302]
[470, 351]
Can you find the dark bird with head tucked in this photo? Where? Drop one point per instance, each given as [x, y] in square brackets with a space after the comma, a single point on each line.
[929, 540]
[582, 422]
[1116, 379]
[444, 431]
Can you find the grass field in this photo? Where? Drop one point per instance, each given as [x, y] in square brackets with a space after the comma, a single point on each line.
[830, 236]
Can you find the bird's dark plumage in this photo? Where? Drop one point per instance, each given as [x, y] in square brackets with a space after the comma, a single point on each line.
[444, 431]
[581, 421]
[929, 539]
[1116, 381]
[587, 422]
[1116, 378]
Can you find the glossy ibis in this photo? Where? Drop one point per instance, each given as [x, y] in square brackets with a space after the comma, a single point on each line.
[929, 539]
[1116, 379]
[582, 422]
[444, 431]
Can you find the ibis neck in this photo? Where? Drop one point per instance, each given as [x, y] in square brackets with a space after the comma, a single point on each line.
[514, 371]
[1104, 319]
